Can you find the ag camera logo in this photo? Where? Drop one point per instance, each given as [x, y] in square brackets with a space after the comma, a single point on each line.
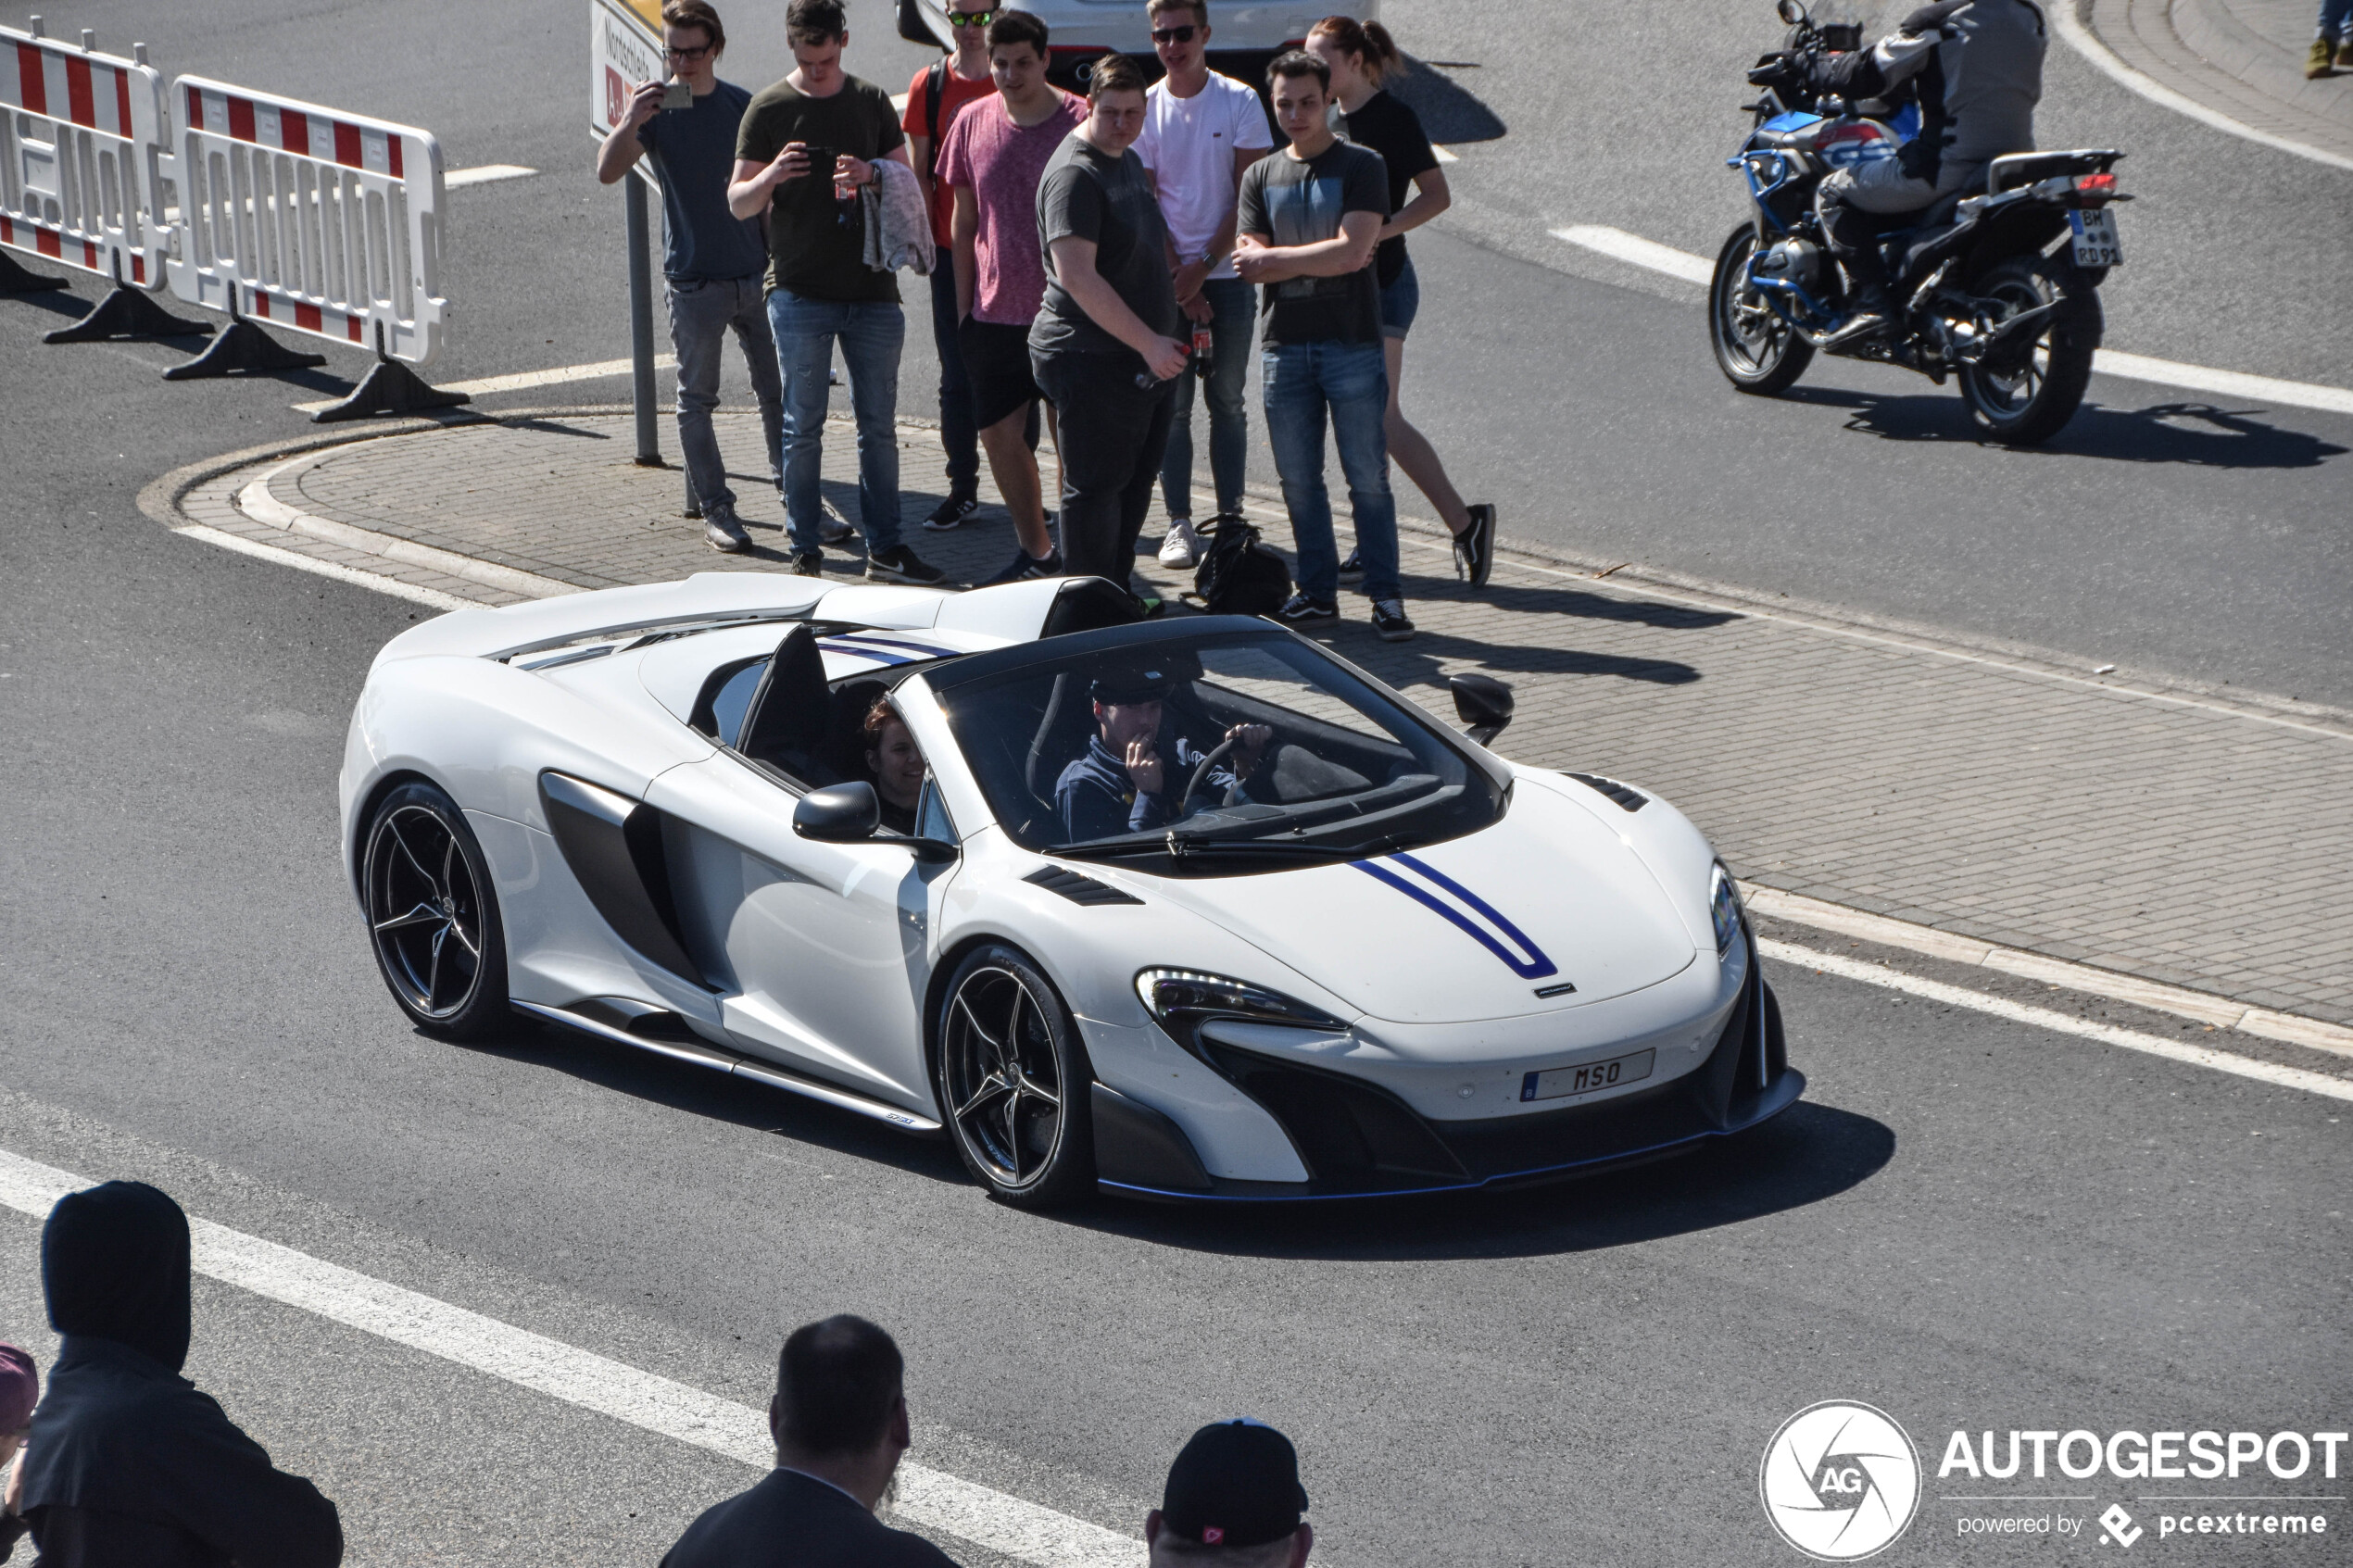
[1840, 1480]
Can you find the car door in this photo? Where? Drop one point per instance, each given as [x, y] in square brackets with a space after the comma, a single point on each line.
[820, 952]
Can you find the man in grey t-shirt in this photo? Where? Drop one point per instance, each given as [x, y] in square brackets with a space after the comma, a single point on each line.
[1310, 220]
[1101, 345]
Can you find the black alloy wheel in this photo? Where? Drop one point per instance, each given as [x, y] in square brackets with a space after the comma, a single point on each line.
[1014, 1083]
[1757, 351]
[433, 914]
[2032, 392]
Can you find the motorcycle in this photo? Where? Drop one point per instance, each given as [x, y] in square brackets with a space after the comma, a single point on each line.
[1995, 287]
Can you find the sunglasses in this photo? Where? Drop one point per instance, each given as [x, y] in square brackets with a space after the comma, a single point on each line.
[970, 18]
[1174, 34]
[700, 52]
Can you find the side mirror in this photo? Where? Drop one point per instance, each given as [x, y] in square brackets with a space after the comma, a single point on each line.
[1483, 703]
[840, 814]
[1789, 11]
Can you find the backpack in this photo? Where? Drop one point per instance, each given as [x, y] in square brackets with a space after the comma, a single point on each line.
[1238, 575]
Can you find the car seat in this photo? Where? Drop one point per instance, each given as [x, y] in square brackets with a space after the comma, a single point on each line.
[791, 715]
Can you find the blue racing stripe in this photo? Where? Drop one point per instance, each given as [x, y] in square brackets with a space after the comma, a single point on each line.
[1527, 969]
[859, 650]
[893, 642]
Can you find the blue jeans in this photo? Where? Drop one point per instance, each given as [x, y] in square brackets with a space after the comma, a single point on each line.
[2337, 21]
[1234, 316]
[957, 430]
[871, 334]
[702, 311]
[1300, 381]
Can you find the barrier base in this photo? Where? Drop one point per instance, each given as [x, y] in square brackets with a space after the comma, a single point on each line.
[23, 280]
[391, 388]
[127, 313]
[243, 347]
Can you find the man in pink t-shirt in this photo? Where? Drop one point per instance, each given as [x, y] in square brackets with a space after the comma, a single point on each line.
[994, 156]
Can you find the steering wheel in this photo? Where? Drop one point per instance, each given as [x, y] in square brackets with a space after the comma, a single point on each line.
[1202, 771]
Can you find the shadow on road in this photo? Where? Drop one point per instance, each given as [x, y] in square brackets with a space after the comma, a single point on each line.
[1809, 1153]
[1418, 662]
[1448, 112]
[2195, 434]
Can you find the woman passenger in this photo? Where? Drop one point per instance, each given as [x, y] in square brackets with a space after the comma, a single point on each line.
[897, 764]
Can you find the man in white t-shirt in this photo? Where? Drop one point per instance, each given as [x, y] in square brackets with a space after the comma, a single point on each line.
[1201, 130]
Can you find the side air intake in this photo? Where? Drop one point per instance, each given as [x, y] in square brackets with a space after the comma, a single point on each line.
[1632, 799]
[1077, 888]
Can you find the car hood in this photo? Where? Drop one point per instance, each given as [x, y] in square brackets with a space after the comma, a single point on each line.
[1478, 927]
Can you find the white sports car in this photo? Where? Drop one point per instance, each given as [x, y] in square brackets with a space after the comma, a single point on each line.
[1179, 909]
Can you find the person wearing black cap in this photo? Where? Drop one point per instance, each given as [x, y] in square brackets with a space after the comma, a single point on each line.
[1233, 1497]
[1126, 782]
[128, 1463]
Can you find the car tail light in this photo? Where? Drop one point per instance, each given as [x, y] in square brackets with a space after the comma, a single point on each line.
[2092, 189]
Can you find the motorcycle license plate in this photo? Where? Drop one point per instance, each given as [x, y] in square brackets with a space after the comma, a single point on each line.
[2096, 241]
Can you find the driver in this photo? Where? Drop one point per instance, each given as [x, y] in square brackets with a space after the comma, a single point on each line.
[1977, 66]
[1128, 781]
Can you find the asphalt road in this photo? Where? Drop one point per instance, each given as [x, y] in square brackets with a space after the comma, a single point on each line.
[1969, 1223]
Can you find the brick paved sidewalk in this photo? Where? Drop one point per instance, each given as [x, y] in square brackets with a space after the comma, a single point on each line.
[2156, 835]
[2243, 58]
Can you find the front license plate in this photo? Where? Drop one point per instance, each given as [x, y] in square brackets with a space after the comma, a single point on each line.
[2096, 241]
[1561, 1082]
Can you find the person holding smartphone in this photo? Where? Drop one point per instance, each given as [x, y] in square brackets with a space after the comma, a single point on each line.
[712, 259]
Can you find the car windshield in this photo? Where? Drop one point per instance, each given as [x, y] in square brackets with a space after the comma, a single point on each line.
[1244, 745]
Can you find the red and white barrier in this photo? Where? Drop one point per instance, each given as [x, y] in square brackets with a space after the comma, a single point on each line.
[82, 135]
[310, 218]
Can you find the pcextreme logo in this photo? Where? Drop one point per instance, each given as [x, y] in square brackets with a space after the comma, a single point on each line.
[1840, 1480]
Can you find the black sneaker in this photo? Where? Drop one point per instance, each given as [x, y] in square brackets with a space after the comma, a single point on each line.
[832, 527]
[954, 512]
[1389, 621]
[1300, 609]
[900, 564]
[1475, 547]
[1353, 565]
[808, 563]
[1026, 567]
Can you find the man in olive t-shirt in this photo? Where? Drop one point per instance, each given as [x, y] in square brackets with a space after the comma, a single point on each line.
[820, 289]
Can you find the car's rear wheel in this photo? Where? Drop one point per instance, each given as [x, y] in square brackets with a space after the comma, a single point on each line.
[433, 914]
[1014, 1082]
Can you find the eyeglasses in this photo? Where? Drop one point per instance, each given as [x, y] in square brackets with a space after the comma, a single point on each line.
[1172, 34]
[701, 51]
[970, 18]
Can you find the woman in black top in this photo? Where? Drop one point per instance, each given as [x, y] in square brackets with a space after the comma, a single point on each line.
[896, 763]
[1360, 56]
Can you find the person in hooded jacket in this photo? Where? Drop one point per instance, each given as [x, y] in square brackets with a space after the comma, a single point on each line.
[128, 1463]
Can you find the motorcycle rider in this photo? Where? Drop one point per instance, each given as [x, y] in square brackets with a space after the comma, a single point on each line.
[1976, 69]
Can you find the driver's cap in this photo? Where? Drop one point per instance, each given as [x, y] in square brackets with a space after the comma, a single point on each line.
[1134, 683]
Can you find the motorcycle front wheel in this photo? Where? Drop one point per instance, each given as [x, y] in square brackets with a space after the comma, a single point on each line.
[2031, 394]
[1756, 350]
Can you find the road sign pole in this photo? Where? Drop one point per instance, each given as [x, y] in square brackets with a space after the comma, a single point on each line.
[641, 321]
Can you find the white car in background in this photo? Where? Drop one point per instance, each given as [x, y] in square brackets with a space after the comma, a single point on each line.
[1243, 36]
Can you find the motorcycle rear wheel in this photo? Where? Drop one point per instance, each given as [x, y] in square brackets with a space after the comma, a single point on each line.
[1757, 351]
[2031, 400]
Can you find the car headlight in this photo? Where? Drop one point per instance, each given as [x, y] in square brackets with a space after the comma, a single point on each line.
[1723, 907]
[1181, 1000]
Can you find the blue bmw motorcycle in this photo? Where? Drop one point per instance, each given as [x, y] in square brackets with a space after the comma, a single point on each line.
[1997, 287]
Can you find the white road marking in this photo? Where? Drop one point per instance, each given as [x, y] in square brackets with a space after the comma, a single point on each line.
[483, 174]
[1444, 155]
[929, 1497]
[352, 575]
[1640, 252]
[2080, 38]
[2220, 1011]
[2043, 1018]
[256, 502]
[524, 380]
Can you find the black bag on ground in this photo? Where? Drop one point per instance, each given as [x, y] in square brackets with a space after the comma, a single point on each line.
[1238, 575]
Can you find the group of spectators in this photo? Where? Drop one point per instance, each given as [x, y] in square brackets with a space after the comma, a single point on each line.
[125, 1464]
[1088, 260]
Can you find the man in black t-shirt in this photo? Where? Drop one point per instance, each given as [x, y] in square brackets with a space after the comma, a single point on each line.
[820, 289]
[1101, 345]
[1311, 215]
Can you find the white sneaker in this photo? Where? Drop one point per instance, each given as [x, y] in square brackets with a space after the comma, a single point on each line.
[1182, 546]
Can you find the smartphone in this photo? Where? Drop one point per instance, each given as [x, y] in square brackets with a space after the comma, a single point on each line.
[821, 162]
[677, 95]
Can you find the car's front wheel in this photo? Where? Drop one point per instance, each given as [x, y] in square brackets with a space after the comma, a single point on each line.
[433, 914]
[1014, 1080]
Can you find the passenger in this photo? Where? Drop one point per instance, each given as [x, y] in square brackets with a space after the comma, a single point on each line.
[127, 1461]
[839, 1419]
[896, 763]
[1233, 1499]
[1122, 784]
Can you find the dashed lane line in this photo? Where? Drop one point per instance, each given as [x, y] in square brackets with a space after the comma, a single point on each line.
[483, 174]
[927, 1498]
[1650, 255]
[2044, 1018]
